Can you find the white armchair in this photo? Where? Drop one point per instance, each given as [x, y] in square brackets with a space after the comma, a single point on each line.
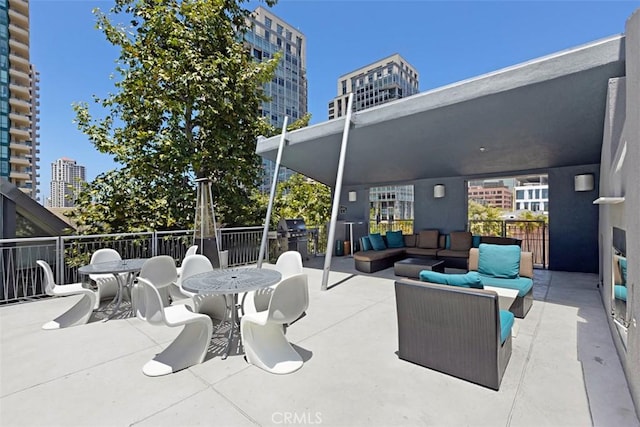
[215, 306]
[265, 344]
[161, 271]
[81, 311]
[107, 284]
[190, 346]
[288, 264]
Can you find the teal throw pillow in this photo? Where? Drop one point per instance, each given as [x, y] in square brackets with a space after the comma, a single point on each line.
[623, 269]
[377, 243]
[365, 243]
[506, 323]
[499, 260]
[475, 241]
[447, 242]
[395, 239]
[620, 292]
[468, 280]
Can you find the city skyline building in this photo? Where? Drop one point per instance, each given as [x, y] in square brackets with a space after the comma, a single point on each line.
[391, 203]
[532, 197]
[67, 178]
[493, 194]
[19, 107]
[287, 91]
[383, 81]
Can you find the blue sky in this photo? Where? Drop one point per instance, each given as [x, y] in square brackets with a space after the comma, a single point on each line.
[446, 41]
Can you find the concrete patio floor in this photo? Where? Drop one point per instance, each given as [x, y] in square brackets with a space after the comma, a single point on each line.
[564, 370]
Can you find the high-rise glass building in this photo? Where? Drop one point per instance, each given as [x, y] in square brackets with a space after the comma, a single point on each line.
[67, 178]
[287, 90]
[19, 87]
[383, 81]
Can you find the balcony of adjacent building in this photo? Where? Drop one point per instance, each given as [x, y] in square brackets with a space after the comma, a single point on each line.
[19, 15]
[19, 175]
[20, 106]
[19, 47]
[21, 6]
[20, 77]
[19, 33]
[19, 63]
[22, 136]
[19, 119]
[20, 160]
[17, 90]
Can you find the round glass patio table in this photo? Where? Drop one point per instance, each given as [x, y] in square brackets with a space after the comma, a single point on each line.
[128, 266]
[231, 281]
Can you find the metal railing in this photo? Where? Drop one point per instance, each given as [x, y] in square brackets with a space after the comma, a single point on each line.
[21, 279]
[534, 235]
[406, 225]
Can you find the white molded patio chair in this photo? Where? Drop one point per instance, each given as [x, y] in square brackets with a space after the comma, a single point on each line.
[190, 346]
[174, 290]
[213, 305]
[80, 313]
[288, 264]
[191, 251]
[107, 283]
[265, 344]
[161, 271]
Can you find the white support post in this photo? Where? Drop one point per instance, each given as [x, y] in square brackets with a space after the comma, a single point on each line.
[267, 220]
[336, 195]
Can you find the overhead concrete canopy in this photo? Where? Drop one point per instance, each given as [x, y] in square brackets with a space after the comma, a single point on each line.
[548, 112]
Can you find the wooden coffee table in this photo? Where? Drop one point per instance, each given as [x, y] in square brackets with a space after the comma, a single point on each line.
[411, 267]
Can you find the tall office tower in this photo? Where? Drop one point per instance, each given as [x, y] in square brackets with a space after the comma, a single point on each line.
[267, 35]
[66, 178]
[383, 81]
[18, 99]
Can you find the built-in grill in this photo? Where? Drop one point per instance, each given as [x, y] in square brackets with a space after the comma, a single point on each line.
[295, 231]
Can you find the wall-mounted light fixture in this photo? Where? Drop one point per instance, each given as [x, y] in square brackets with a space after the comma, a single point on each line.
[353, 196]
[438, 191]
[583, 182]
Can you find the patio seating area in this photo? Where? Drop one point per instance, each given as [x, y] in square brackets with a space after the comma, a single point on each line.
[563, 370]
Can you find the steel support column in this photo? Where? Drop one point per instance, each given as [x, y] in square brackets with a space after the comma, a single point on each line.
[336, 195]
[272, 195]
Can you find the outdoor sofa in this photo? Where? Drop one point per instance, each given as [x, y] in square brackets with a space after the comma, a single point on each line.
[452, 248]
[517, 274]
[455, 330]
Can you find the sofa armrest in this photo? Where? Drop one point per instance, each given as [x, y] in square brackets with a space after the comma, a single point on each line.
[526, 264]
[474, 255]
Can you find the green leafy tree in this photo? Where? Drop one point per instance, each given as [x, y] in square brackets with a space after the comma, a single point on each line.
[300, 197]
[256, 210]
[186, 106]
[484, 220]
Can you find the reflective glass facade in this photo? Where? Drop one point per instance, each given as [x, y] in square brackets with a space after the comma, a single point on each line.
[4, 90]
[19, 89]
[383, 81]
[287, 91]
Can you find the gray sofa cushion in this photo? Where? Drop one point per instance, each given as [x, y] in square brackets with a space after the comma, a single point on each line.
[377, 255]
[453, 254]
[421, 252]
[410, 240]
[460, 241]
[428, 239]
